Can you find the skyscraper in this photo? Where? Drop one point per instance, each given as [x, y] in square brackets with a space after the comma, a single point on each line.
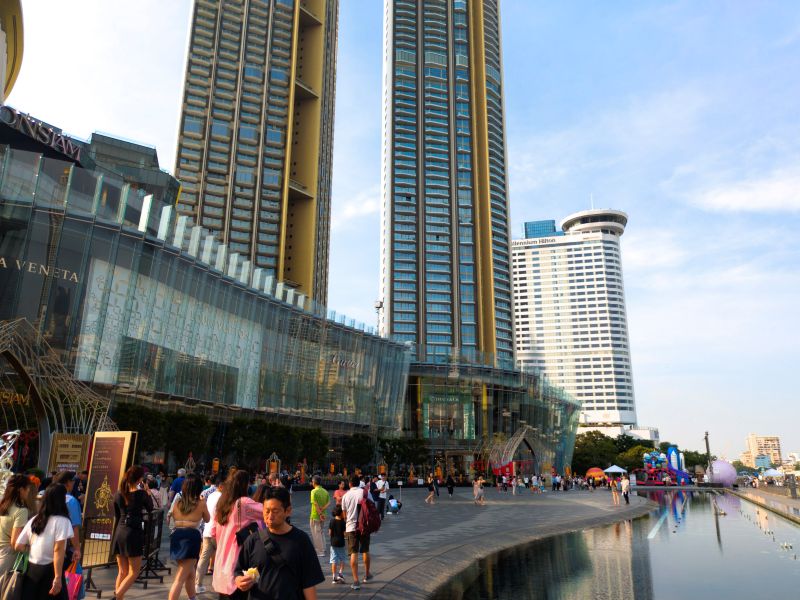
[570, 316]
[446, 281]
[256, 133]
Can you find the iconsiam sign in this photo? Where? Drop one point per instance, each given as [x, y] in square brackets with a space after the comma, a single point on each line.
[7, 442]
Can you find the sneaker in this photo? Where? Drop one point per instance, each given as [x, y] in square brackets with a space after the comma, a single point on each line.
[355, 586]
[369, 577]
[201, 589]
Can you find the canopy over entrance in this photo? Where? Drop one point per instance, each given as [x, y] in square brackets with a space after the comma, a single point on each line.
[502, 451]
[37, 391]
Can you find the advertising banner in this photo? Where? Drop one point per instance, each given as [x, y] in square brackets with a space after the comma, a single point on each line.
[112, 454]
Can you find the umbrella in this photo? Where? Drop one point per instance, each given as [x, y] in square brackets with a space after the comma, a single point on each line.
[615, 469]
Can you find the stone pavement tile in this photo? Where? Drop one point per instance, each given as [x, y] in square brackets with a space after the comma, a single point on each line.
[419, 549]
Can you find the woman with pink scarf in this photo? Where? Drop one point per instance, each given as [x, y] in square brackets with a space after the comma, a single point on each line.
[235, 512]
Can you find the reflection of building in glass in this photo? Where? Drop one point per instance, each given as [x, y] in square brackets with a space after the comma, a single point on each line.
[256, 136]
[570, 316]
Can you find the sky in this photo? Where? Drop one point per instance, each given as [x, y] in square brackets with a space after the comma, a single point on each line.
[682, 114]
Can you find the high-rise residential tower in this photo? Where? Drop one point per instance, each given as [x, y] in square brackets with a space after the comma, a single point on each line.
[445, 280]
[570, 316]
[256, 133]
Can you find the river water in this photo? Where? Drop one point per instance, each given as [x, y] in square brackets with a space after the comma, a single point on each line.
[696, 545]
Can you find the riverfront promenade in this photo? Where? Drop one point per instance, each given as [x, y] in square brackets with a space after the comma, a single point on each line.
[783, 505]
[419, 549]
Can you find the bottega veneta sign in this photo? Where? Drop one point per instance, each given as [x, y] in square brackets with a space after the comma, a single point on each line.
[40, 132]
[38, 269]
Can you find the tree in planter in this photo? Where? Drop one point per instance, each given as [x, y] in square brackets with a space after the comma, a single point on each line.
[389, 449]
[150, 425]
[625, 442]
[415, 451]
[188, 433]
[285, 441]
[593, 449]
[246, 440]
[358, 449]
[314, 446]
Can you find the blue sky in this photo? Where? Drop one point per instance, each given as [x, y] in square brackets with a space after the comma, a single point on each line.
[683, 114]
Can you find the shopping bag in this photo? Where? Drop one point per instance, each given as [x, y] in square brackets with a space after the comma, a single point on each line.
[74, 581]
[11, 581]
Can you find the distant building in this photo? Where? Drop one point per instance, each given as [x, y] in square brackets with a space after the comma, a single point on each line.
[763, 444]
[762, 461]
[746, 458]
[570, 317]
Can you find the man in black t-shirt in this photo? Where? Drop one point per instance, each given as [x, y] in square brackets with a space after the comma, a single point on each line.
[285, 559]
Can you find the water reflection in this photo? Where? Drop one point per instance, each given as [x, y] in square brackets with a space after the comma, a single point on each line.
[605, 563]
[693, 544]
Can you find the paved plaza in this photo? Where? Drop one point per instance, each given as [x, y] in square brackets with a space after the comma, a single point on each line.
[419, 549]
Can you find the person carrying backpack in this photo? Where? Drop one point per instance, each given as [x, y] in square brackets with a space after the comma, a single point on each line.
[362, 520]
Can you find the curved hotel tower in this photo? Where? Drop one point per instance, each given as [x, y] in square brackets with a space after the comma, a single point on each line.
[570, 317]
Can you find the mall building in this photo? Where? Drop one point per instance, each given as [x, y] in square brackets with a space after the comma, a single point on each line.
[146, 307]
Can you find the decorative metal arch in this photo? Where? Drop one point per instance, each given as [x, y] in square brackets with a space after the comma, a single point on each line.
[61, 403]
[502, 451]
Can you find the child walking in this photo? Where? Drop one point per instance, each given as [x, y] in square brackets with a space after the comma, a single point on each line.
[336, 529]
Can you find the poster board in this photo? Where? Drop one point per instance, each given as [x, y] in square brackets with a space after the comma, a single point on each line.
[68, 452]
[112, 454]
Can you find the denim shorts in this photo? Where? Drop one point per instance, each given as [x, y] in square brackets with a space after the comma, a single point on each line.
[337, 555]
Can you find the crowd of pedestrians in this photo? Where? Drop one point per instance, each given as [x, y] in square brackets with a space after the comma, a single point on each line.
[226, 531]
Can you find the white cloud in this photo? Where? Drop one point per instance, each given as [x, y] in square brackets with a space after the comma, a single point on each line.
[365, 203]
[638, 132]
[777, 192]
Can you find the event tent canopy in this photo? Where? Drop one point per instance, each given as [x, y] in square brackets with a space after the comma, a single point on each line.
[772, 473]
[615, 469]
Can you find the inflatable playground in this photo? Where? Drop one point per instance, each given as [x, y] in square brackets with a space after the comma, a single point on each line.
[662, 469]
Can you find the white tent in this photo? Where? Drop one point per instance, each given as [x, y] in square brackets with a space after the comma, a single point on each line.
[772, 473]
[614, 469]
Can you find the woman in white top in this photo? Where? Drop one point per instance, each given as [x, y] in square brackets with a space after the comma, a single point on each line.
[45, 538]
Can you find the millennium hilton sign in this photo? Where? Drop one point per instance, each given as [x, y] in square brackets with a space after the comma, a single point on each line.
[40, 132]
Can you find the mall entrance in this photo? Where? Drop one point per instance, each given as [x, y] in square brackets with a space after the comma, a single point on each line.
[40, 397]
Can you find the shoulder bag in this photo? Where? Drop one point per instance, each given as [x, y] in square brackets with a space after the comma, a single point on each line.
[11, 581]
[244, 532]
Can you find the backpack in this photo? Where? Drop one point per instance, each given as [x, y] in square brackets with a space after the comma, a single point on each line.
[369, 520]
[373, 490]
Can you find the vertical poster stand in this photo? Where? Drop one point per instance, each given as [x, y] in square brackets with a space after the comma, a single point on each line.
[112, 454]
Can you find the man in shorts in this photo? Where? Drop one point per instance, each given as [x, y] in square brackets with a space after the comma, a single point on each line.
[356, 543]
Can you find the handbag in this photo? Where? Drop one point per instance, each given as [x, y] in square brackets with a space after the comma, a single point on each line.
[11, 581]
[74, 577]
[244, 532]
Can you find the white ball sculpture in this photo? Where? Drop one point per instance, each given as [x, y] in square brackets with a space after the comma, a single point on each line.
[723, 473]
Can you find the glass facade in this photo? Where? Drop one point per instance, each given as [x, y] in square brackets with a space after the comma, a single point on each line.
[445, 249]
[460, 407]
[256, 134]
[148, 308]
[546, 228]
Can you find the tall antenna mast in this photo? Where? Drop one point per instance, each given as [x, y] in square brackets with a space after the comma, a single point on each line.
[591, 200]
